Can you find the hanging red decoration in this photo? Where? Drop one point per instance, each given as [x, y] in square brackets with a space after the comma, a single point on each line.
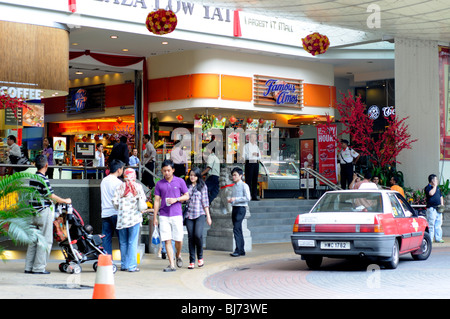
[73, 5]
[161, 21]
[119, 120]
[316, 43]
[13, 103]
[180, 117]
[232, 119]
[261, 121]
[249, 120]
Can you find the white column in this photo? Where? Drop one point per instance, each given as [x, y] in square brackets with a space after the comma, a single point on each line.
[417, 97]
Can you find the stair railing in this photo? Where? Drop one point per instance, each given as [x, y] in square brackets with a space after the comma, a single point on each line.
[320, 177]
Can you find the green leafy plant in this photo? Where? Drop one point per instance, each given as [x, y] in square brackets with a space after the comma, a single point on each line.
[445, 188]
[16, 212]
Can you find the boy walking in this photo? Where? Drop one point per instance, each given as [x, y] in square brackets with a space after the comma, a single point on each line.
[169, 193]
[240, 197]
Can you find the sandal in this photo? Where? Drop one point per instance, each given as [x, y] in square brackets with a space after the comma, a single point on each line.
[200, 262]
[191, 266]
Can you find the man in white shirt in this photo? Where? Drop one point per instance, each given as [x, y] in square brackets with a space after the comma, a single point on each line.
[179, 158]
[347, 157]
[13, 152]
[148, 161]
[13, 148]
[99, 160]
[109, 213]
[252, 156]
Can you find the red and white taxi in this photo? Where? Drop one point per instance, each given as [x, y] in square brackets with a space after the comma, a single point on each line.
[364, 223]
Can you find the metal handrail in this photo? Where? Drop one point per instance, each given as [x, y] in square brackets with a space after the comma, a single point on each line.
[320, 177]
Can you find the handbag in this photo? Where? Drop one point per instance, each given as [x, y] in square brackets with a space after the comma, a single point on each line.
[142, 203]
[155, 237]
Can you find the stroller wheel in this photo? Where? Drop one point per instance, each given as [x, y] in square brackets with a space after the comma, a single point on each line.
[76, 269]
[63, 267]
[73, 268]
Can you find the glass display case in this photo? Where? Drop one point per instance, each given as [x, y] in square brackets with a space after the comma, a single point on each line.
[279, 175]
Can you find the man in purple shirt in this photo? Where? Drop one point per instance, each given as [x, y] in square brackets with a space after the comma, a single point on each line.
[169, 193]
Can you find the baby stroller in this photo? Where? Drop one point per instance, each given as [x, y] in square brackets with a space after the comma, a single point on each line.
[76, 240]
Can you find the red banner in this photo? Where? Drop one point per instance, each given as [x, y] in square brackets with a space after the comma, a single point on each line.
[326, 143]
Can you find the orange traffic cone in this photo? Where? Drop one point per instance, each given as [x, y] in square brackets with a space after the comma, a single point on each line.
[104, 280]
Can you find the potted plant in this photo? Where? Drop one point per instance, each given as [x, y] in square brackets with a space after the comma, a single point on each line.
[16, 212]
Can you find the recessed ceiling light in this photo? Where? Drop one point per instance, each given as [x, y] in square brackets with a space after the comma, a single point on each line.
[114, 36]
[74, 43]
[78, 72]
[164, 43]
[125, 50]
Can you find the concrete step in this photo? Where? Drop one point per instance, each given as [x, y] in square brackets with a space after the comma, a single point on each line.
[271, 220]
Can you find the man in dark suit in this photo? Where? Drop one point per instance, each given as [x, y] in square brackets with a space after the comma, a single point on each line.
[120, 152]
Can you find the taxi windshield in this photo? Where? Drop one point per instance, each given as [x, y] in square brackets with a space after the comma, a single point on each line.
[349, 202]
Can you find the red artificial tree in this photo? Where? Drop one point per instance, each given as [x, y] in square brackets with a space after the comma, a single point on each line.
[382, 152]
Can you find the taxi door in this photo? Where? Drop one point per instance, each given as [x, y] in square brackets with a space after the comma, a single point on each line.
[411, 218]
[403, 223]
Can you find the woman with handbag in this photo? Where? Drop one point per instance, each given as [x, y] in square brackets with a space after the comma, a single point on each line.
[129, 200]
[197, 213]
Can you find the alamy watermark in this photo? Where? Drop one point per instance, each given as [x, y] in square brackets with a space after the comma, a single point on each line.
[234, 139]
[374, 19]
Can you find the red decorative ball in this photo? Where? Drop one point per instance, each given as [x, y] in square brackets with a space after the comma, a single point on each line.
[249, 120]
[161, 21]
[316, 43]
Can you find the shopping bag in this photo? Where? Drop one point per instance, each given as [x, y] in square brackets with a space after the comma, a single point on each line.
[155, 237]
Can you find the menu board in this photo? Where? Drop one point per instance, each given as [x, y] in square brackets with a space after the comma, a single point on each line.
[11, 119]
[84, 151]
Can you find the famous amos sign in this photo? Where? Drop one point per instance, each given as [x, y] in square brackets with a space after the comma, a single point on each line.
[272, 91]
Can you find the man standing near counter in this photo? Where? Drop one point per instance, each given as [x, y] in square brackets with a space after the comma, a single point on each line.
[252, 156]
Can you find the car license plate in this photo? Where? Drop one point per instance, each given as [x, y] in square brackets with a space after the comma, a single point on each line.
[306, 243]
[335, 245]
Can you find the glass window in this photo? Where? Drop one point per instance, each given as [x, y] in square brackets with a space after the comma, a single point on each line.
[350, 202]
[397, 210]
[409, 211]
